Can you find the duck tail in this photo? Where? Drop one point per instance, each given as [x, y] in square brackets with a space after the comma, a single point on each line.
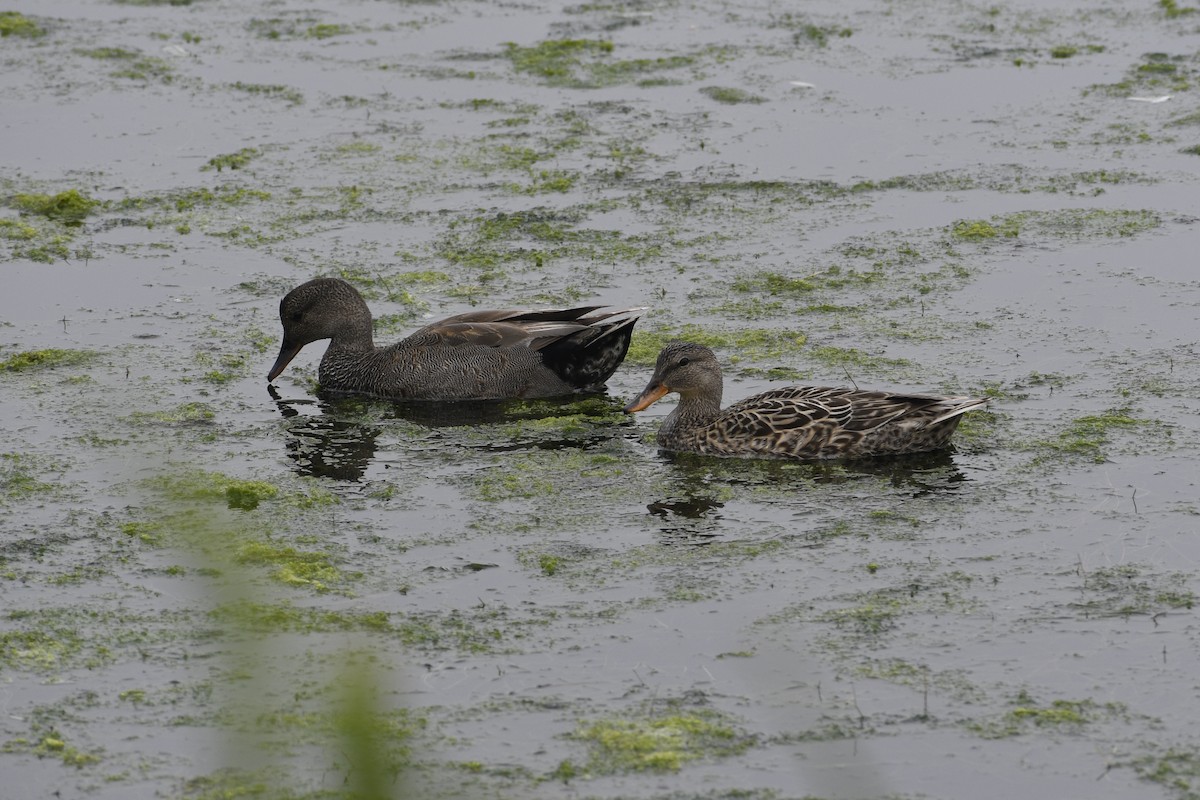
[960, 406]
[588, 358]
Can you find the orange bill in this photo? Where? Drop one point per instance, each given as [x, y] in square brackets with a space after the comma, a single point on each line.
[651, 393]
[286, 354]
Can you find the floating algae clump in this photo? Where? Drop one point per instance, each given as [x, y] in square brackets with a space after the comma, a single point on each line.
[660, 743]
[14, 23]
[44, 359]
[69, 207]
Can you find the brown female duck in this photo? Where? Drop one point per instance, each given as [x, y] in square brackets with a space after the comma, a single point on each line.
[479, 355]
[804, 422]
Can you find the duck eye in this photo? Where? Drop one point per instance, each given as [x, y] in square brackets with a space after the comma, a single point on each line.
[299, 315]
[683, 362]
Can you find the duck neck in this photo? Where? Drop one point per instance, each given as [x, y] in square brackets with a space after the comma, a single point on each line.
[350, 360]
[354, 335]
[693, 411]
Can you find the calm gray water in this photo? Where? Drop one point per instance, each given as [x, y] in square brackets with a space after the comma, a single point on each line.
[929, 196]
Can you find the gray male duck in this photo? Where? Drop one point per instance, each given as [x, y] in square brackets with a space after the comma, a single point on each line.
[479, 355]
[801, 422]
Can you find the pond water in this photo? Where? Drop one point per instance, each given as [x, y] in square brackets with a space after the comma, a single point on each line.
[215, 588]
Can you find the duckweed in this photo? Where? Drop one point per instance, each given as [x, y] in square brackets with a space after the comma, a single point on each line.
[1176, 769]
[482, 632]
[231, 367]
[555, 60]
[45, 359]
[753, 343]
[70, 207]
[327, 30]
[1189, 119]
[871, 618]
[232, 160]
[1158, 72]
[507, 157]
[308, 569]
[274, 28]
[16, 230]
[1172, 8]
[52, 639]
[1086, 223]
[730, 197]
[833, 277]
[531, 239]
[148, 533]
[359, 148]
[775, 284]
[215, 486]
[14, 23]
[51, 248]
[17, 477]
[110, 53]
[805, 30]
[168, 208]
[427, 277]
[587, 63]
[292, 96]
[846, 357]
[37, 650]
[1127, 589]
[284, 617]
[52, 745]
[546, 180]
[755, 308]
[819, 35]
[1087, 435]
[214, 516]
[919, 676]
[188, 413]
[658, 743]
[515, 483]
[977, 230]
[134, 65]
[247, 495]
[1073, 223]
[582, 412]
[243, 496]
[730, 95]
[1058, 714]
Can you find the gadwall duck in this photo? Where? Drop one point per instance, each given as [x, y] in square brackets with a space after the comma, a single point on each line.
[803, 422]
[480, 355]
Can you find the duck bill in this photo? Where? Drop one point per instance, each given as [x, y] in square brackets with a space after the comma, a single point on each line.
[286, 354]
[649, 395]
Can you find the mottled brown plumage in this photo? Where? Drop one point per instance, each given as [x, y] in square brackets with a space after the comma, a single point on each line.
[803, 422]
[479, 355]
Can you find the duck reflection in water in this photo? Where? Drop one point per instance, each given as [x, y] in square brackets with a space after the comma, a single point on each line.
[327, 444]
[337, 435]
[697, 514]
[688, 520]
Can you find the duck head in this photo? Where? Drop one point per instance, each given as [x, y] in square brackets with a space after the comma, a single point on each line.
[323, 308]
[689, 369]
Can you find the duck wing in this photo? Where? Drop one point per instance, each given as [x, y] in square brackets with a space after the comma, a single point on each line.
[508, 327]
[581, 347]
[818, 420]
